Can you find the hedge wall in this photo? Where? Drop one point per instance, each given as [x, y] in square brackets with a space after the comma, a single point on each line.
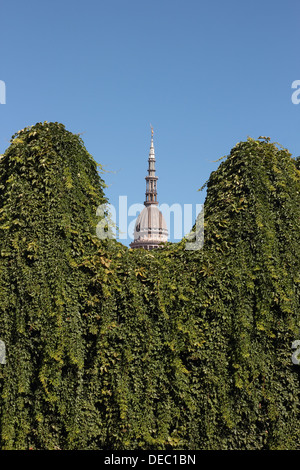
[112, 348]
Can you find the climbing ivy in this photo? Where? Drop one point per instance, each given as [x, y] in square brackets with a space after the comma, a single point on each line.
[112, 348]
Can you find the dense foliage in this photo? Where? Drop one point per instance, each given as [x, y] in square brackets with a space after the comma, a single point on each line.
[111, 348]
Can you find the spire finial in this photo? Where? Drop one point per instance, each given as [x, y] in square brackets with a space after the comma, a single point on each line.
[151, 130]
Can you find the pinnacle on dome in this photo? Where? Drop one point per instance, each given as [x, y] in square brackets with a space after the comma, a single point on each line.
[151, 179]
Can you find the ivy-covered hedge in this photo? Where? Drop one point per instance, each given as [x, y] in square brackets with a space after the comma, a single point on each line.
[112, 348]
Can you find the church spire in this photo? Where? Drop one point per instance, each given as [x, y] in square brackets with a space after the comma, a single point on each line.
[151, 178]
[150, 228]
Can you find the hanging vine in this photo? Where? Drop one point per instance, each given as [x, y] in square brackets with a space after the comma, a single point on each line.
[111, 348]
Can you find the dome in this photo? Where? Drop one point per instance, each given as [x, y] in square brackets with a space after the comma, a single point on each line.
[150, 228]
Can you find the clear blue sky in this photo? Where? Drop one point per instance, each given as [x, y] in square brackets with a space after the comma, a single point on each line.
[205, 74]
